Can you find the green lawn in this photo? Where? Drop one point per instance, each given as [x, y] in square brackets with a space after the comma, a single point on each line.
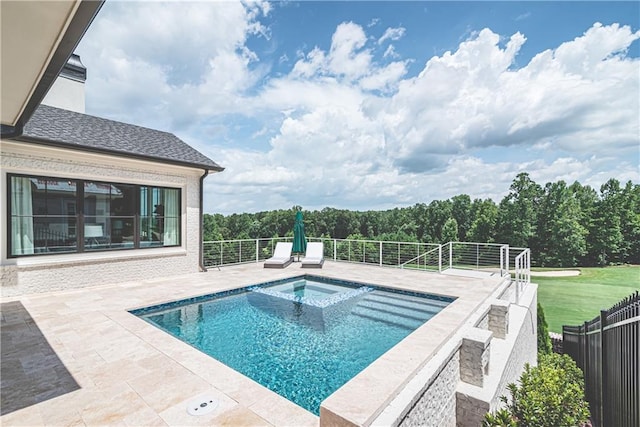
[572, 300]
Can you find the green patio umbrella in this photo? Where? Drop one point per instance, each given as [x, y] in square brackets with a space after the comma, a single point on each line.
[299, 241]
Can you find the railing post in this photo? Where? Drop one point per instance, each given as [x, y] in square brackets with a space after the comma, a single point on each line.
[240, 251]
[380, 253]
[257, 250]
[604, 405]
[439, 258]
[585, 350]
[450, 255]
[335, 250]
[518, 273]
[507, 263]
[364, 253]
[221, 253]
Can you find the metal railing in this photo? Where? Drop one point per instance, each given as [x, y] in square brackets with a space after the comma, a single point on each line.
[382, 253]
[230, 252]
[607, 349]
[430, 260]
[522, 271]
[489, 257]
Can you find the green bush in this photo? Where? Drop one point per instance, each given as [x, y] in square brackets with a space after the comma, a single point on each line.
[548, 395]
[544, 340]
[501, 418]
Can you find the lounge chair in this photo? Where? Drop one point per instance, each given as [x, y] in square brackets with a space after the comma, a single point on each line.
[314, 258]
[281, 256]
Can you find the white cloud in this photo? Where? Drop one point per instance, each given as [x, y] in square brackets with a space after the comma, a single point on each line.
[346, 56]
[137, 61]
[392, 34]
[384, 79]
[348, 131]
[390, 52]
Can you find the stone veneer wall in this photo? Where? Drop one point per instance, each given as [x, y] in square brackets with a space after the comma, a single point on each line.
[525, 348]
[25, 275]
[447, 400]
[484, 323]
[520, 346]
[437, 406]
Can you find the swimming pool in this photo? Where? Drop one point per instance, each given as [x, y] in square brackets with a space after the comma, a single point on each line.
[302, 337]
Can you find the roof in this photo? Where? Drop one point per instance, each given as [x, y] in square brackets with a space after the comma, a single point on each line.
[68, 129]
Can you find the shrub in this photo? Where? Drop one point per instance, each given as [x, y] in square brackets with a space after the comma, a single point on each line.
[544, 341]
[548, 395]
[501, 418]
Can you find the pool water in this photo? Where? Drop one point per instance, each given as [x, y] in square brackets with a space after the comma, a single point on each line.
[304, 362]
[309, 289]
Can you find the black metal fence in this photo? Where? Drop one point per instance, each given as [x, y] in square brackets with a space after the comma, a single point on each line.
[607, 351]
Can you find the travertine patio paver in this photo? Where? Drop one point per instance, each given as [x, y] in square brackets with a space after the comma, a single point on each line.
[130, 373]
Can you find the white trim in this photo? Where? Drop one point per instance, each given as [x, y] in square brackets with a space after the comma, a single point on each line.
[154, 174]
[95, 257]
[122, 163]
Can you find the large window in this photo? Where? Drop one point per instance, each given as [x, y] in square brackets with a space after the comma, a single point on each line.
[58, 215]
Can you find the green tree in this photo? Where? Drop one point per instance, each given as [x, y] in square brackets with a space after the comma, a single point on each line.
[436, 214]
[517, 220]
[450, 231]
[561, 238]
[483, 226]
[630, 224]
[544, 340]
[210, 229]
[606, 234]
[461, 212]
[588, 199]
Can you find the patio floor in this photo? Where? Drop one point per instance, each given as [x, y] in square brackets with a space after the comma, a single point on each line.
[79, 358]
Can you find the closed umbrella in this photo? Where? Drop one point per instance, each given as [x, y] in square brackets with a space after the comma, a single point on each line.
[299, 241]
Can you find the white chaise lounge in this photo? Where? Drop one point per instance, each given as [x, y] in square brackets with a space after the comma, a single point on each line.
[314, 257]
[281, 256]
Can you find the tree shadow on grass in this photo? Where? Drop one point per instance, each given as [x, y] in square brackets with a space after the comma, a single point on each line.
[31, 371]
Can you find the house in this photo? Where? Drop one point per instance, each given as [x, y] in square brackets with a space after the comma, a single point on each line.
[90, 201]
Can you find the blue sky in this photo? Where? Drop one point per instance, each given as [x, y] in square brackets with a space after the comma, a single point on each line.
[373, 105]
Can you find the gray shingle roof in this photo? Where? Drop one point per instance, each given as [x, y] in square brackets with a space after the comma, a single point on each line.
[65, 128]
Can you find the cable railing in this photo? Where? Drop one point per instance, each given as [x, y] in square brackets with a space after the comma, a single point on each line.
[448, 258]
[522, 271]
[430, 260]
[382, 253]
[230, 252]
[488, 257]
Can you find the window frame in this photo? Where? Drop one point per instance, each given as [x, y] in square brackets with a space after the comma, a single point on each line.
[81, 215]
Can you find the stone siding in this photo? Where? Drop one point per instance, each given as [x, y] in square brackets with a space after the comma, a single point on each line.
[44, 273]
[484, 322]
[509, 355]
[437, 405]
[474, 356]
[525, 348]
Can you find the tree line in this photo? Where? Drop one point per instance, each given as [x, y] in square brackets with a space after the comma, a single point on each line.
[564, 225]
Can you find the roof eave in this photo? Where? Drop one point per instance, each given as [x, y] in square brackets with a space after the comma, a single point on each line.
[58, 144]
[86, 12]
